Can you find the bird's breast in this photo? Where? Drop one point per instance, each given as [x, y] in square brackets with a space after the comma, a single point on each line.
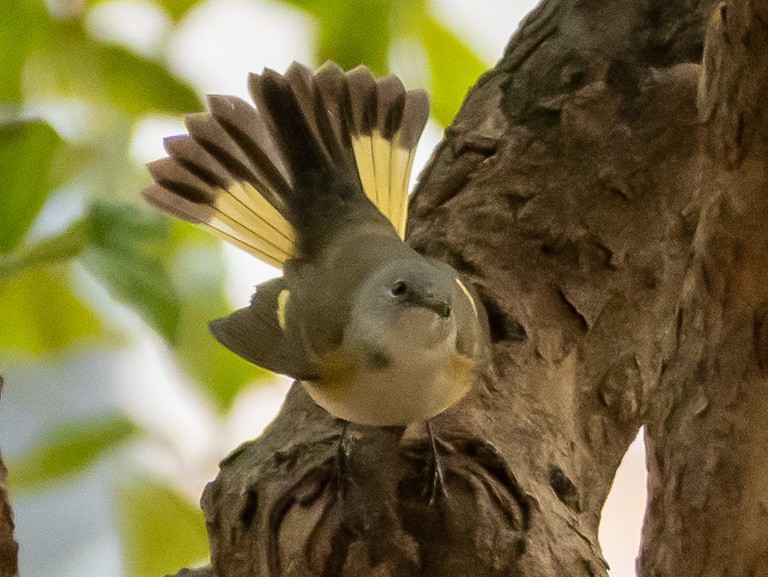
[385, 387]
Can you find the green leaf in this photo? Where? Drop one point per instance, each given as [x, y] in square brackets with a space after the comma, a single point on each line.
[71, 63]
[110, 176]
[176, 9]
[69, 449]
[64, 63]
[22, 23]
[26, 152]
[354, 32]
[39, 313]
[125, 250]
[58, 248]
[139, 85]
[307, 5]
[160, 530]
[71, 161]
[453, 66]
[199, 273]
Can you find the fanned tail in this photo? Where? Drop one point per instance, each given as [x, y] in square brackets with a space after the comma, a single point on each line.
[387, 122]
[258, 176]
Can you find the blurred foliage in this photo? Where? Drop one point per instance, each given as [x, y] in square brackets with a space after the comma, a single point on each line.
[126, 251]
[69, 448]
[166, 531]
[366, 32]
[197, 274]
[40, 314]
[350, 40]
[169, 273]
[22, 26]
[26, 152]
[446, 54]
[106, 74]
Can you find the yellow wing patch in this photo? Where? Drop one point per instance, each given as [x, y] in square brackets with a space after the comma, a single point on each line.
[282, 303]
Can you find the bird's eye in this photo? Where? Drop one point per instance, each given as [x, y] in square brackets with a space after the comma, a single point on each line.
[398, 289]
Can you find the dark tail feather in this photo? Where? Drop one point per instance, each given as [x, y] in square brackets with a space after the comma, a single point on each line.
[333, 104]
[302, 131]
[248, 131]
[256, 175]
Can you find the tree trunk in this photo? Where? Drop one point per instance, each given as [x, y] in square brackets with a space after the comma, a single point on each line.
[608, 197]
[9, 550]
[707, 433]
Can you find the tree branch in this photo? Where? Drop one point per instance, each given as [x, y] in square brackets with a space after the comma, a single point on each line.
[707, 440]
[569, 191]
[9, 550]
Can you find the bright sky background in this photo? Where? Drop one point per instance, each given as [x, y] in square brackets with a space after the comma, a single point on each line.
[68, 532]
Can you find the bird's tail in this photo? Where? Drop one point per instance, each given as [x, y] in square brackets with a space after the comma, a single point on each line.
[253, 175]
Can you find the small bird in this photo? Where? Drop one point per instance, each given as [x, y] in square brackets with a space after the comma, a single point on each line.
[314, 180]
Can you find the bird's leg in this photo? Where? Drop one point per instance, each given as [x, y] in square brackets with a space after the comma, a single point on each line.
[438, 482]
[342, 452]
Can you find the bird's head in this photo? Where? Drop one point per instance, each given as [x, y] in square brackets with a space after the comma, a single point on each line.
[409, 300]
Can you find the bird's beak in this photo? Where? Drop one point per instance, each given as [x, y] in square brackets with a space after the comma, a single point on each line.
[441, 307]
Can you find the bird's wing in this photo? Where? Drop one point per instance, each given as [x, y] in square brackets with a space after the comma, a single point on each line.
[258, 333]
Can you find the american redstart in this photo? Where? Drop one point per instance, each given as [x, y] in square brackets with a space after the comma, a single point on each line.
[314, 180]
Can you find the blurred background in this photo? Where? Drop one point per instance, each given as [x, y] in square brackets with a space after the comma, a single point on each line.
[118, 404]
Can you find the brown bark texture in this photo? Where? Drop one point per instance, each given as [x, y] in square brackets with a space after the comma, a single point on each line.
[9, 550]
[607, 195]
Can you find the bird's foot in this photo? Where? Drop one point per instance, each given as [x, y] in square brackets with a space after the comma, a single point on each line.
[341, 463]
[437, 486]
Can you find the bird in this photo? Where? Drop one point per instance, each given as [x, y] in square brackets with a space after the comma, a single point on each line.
[314, 180]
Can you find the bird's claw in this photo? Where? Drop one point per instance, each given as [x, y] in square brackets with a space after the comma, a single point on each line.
[437, 486]
[340, 463]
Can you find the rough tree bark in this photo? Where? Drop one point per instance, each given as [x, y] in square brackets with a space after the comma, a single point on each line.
[9, 550]
[607, 195]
